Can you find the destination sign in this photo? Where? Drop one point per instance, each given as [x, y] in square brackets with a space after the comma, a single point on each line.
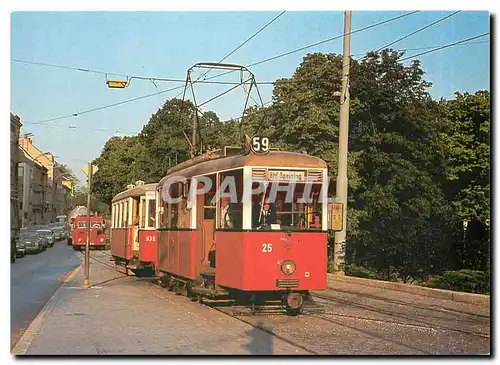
[279, 175]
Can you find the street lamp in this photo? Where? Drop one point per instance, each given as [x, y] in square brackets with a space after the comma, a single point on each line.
[118, 84]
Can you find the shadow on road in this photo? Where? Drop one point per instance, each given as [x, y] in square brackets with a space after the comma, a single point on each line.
[261, 342]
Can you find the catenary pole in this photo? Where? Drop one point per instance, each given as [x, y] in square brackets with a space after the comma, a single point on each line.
[87, 246]
[340, 236]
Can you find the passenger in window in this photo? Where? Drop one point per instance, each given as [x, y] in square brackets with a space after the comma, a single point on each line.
[226, 221]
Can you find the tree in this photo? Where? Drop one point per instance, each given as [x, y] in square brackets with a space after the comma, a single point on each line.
[468, 174]
[119, 165]
[468, 155]
[81, 198]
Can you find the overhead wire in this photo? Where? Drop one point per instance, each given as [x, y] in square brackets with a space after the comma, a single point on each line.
[463, 42]
[397, 40]
[444, 46]
[129, 76]
[237, 48]
[219, 75]
[417, 31]
[144, 96]
[425, 47]
[324, 41]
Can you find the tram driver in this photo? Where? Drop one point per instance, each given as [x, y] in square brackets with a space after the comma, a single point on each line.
[265, 216]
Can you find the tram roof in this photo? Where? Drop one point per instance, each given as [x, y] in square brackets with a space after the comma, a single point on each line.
[272, 159]
[134, 192]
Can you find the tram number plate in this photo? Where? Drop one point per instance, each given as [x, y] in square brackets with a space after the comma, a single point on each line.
[267, 247]
[150, 239]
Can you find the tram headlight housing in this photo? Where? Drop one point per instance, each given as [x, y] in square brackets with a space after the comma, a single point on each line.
[288, 267]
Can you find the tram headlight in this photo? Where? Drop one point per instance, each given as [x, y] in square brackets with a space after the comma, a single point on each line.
[288, 267]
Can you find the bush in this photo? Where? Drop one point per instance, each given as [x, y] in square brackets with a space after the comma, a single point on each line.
[360, 271]
[471, 281]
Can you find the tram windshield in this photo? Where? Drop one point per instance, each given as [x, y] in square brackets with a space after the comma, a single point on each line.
[294, 207]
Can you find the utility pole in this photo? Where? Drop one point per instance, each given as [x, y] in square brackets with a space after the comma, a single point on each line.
[338, 249]
[87, 246]
[193, 135]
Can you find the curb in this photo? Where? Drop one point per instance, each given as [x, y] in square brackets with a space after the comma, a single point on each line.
[28, 336]
[463, 297]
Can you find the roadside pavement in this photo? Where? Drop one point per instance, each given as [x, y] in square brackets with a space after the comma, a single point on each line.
[126, 315]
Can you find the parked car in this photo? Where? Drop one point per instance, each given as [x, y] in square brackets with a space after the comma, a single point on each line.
[57, 233]
[32, 242]
[44, 242]
[20, 249]
[49, 234]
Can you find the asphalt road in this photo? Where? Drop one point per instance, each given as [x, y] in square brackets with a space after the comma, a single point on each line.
[33, 280]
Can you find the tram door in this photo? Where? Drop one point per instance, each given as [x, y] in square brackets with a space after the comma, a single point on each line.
[135, 225]
[205, 221]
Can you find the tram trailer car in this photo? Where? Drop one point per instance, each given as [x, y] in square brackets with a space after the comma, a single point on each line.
[134, 237]
[258, 254]
[97, 234]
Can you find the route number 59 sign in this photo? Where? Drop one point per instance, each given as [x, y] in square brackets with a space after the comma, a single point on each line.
[260, 145]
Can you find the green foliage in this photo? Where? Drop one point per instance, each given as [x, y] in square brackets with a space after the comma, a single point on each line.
[81, 198]
[472, 281]
[360, 271]
[119, 165]
[468, 138]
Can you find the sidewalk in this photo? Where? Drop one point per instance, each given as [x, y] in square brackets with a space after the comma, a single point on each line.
[122, 315]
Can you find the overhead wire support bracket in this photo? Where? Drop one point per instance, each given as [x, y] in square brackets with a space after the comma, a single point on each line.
[220, 66]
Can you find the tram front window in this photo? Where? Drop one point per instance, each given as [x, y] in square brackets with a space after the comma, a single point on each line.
[298, 213]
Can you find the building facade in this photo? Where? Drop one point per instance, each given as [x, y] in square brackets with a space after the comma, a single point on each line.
[15, 127]
[55, 192]
[33, 178]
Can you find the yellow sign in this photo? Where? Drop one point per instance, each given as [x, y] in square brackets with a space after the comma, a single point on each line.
[85, 170]
[336, 217]
[117, 84]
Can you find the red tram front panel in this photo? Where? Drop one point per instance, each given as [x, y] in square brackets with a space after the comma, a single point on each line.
[148, 246]
[176, 252]
[253, 260]
[79, 234]
[121, 243]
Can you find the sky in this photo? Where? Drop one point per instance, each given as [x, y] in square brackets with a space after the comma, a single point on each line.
[166, 44]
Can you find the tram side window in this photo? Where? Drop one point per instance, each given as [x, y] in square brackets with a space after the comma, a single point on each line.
[119, 215]
[152, 213]
[173, 208]
[230, 206]
[209, 205]
[125, 215]
[118, 212]
[183, 212]
[143, 213]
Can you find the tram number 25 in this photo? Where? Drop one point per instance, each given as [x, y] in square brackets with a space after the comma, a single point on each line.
[150, 238]
[267, 247]
[260, 145]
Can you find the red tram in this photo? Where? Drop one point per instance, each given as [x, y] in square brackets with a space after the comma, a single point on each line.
[97, 233]
[133, 229]
[248, 228]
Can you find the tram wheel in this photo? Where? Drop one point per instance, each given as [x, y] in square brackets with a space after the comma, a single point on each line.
[294, 304]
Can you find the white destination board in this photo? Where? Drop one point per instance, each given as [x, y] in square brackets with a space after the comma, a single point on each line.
[280, 175]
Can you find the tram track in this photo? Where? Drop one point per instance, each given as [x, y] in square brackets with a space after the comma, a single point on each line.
[280, 328]
[422, 325]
